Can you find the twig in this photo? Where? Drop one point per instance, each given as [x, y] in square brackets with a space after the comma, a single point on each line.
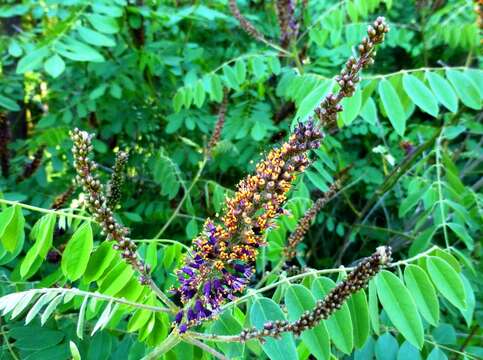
[171, 341]
[46, 211]
[205, 347]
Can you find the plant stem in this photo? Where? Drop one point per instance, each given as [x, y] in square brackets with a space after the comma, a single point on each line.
[162, 296]
[171, 341]
[45, 211]
[183, 199]
[167, 241]
[205, 347]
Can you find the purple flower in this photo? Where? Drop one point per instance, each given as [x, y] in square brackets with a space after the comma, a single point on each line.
[207, 288]
[183, 328]
[187, 271]
[179, 317]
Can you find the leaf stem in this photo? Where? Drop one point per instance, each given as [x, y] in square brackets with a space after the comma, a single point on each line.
[205, 347]
[171, 341]
[45, 211]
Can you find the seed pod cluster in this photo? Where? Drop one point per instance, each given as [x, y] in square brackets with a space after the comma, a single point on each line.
[97, 204]
[244, 23]
[287, 21]
[31, 167]
[220, 122]
[355, 281]
[303, 224]
[349, 76]
[117, 180]
[61, 199]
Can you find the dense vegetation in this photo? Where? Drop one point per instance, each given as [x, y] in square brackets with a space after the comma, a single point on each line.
[125, 127]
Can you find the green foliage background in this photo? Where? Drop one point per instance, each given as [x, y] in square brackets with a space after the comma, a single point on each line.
[148, 77]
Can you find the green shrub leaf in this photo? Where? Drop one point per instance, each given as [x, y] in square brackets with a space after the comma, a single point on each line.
[465, 89]
[359, 311]
[77, 252]
[392, 106]
[443, 91]
[262, 311]
[423, 292]
[399, 306]
[420, 94]
[447, 281]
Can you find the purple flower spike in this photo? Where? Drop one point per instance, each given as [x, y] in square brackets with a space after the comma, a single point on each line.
[183, 328]
[179, 317]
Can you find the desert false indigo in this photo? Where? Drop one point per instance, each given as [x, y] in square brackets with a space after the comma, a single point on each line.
[244, 23]
[97, 204]
[355, 281]
[220, 122]
[222, 261]
[287, 21]
[349, 76]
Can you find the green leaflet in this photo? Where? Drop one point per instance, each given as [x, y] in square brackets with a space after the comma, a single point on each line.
[299, 299]
[11, 228]
[386, 347]
[226, 324]
[399, 306]
[77, 252]
[359, 311]
[95, 38]
[408, 352]
[392, 106]
[369, 111]
[32, 60]
[116, 279]
[420, 94]
[422, 290]
[43, 232]
[99, 261]
[54, 66]
[447, 281]
[351, 107]
[338, 324]
[467, 92]
[443, 91]
[262, 311]
[312, 100]
[8, 103]
[373, 307]
[103, 24]
[470, 301]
